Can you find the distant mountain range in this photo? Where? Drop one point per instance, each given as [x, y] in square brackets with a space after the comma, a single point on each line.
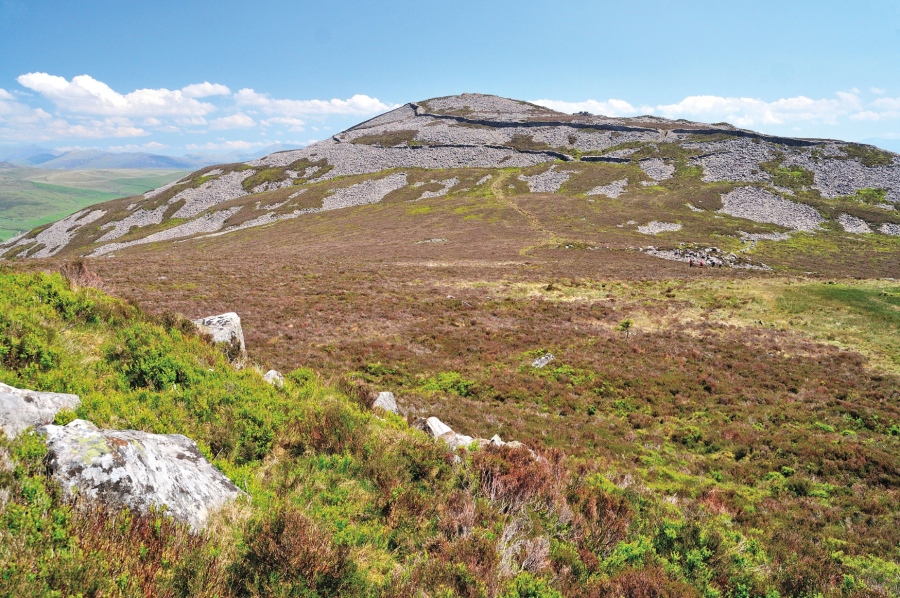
[41, 157]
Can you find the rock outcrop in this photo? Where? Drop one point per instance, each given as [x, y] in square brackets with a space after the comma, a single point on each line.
[224, 328]
[22, 409]
[127, 468]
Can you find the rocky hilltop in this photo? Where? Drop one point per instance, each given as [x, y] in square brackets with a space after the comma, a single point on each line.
[481, 145]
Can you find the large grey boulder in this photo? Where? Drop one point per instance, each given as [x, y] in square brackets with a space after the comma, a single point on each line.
[386, 401]
[127, 468]
[21, 409]
[224, 328]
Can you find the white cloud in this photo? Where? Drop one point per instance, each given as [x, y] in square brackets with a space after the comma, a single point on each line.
[232, 145]
[295, 124]
[235, 121]
[152, 145]
[887, 103]
[22, 123]
[882, 109]
[86, 95]
[193, 120]
[608, 108]
[5, 95]
[357, 105]
[151, 122]
[204, 90]
[877, 90]
[866, 115]
[749, 111]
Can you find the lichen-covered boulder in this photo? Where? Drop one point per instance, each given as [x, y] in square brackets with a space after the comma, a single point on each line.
[21, 409]
[274, 377]
[127, 468]
[224, 328]
[386, 401]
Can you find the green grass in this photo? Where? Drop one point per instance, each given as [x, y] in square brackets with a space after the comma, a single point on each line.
[26, 204]
[868, 155]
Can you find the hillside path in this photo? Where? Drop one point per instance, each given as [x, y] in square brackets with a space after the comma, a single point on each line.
[498, 189]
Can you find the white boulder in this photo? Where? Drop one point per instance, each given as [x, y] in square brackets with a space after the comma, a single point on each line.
[386, 401]
[127, 468]
[21, 409]
[274, 377]
[224, 328]
[432, 426]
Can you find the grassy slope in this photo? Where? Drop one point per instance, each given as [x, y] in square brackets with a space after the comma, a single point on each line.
[31, 197]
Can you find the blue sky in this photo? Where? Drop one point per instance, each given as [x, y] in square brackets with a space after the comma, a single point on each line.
[174, 77]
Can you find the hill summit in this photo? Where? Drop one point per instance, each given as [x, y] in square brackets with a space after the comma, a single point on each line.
[675, 179]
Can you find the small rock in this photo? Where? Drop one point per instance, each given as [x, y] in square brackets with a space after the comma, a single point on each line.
[386, 401]
[274, 377]
[432, 426]
[127, 468]
[543, 360]
[224, 328]
[21, 409]
[495, 440]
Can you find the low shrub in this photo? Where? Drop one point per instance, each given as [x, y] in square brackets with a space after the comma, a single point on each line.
[286, 553]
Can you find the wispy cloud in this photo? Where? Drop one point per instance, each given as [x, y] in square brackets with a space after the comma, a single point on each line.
[235, 121]
[205, 90]
[357, 105]
[608, 108]
[149, 146]
[748, 112]
[227, 145]
[294, 124]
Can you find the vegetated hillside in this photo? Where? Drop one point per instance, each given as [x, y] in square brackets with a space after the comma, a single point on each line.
[32, 197]
[702, 460]
[719, 432]
[623, 182]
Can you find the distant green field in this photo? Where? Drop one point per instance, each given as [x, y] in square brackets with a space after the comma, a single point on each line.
[31, 197]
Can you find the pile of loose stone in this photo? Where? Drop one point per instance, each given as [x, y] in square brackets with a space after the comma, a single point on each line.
[759, 205]
[707, 255]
